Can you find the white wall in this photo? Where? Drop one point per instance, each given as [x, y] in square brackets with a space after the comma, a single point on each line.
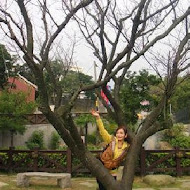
[19, 140]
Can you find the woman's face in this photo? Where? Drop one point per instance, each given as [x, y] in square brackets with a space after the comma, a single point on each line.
[120, 135]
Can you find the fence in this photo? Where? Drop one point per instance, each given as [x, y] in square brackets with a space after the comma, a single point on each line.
[63, 161]
[31, 118]
[175, 161]
[36, 119]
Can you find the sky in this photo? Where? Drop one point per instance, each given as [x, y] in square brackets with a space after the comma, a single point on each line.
[83, 56]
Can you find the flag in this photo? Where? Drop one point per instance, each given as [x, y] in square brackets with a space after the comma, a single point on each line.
[105, 97]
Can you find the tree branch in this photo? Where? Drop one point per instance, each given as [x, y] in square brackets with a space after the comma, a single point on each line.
[82, 4]
[29, 28]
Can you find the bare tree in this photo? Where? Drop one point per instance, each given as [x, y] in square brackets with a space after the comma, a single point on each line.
[119, 33]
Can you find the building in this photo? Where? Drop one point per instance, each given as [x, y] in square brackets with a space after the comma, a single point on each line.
[21, 84]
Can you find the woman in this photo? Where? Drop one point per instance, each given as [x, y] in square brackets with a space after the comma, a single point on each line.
[120, 142]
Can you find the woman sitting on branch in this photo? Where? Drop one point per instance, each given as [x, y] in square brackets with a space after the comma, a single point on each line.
[116, 150]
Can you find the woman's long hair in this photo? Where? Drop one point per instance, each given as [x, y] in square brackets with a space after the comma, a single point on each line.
[125, 131]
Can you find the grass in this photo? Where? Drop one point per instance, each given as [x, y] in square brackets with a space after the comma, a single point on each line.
[43, 184]
[79, 183]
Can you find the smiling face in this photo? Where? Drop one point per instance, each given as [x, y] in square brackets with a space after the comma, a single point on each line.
[120, 134]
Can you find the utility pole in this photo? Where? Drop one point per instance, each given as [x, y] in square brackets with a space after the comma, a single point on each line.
[95, 75]
[170, 109]
[96, 103]
[95, 78]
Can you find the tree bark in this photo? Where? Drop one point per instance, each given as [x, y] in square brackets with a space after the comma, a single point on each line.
[12, 136]
[130, 165]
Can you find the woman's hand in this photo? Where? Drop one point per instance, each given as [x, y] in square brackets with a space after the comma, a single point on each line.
[95, 113]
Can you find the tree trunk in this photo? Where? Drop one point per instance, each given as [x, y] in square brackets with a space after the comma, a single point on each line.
[130, 165]
[86, 133]
[12, 135]
[99, 171]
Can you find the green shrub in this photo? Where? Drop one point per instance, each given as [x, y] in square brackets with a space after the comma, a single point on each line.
[36, 140]
[57, 159]
[94, 147]
[175, 137]
[63, 148]
[4, 158]
[175, 130]
[91, 139]
[26, 160]
[54, 141]
[21, 148]
[180, 141]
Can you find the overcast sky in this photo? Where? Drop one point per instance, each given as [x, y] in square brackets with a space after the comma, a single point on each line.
[83, 56]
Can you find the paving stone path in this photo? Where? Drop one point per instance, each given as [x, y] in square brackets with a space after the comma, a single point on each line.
[2, 184]
[185, 185]
[91, 183]
[143, 189]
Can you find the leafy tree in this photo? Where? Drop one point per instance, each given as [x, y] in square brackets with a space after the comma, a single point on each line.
[135, 89]
[13, 107]
[181, 97]
[69, 80]
[82, 121]
[175, 136]
[73, 80]
[5, 65]
[118, 36]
